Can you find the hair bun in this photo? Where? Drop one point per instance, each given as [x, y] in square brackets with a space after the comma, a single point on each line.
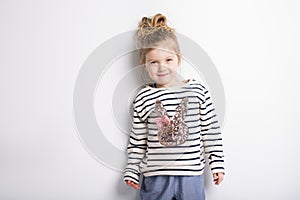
[159, 20]
[156, 22]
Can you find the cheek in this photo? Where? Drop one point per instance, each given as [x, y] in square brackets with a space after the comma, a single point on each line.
[150, 70]
[174, 68]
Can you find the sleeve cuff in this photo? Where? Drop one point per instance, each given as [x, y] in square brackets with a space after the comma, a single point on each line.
[130, 176]
[218, 170]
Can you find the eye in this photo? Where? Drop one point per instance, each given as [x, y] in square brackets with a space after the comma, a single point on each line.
[153, 62]
[169, 60]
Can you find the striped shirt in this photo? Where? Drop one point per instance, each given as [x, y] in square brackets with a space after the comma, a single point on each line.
[148, 156]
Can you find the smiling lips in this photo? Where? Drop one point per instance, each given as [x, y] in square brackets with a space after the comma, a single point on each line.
[162, 75]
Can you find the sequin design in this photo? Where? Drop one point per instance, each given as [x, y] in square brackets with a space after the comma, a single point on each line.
[172, 132]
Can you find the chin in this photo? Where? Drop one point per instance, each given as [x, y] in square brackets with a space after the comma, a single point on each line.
[164, 83]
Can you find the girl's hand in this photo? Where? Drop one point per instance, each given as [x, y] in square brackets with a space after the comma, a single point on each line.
[218, 177]
[133, 184]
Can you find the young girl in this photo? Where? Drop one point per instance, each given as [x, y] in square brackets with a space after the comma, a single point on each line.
[174, 125]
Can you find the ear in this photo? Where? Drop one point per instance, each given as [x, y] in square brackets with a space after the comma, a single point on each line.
[179, 60]
[145, 68]
[159, 109]
[182, 108]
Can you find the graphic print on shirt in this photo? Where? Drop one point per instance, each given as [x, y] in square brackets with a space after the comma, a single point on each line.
[172, 132]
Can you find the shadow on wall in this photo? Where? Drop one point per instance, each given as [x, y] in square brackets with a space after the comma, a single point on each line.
[106, 86]
[123, 191]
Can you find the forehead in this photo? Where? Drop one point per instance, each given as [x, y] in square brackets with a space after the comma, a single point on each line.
[160, 52]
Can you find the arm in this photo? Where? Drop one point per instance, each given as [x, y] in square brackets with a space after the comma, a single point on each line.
[211, 135]
[136, 150]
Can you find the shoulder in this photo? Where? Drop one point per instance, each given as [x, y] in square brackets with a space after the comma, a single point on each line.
[197, 84]
[199, 89]
[146, 96]
[145, 100]
[144, 92]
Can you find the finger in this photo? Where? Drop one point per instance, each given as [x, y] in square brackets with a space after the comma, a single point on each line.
[220, 177]
[136, 186]
[218, 181]
[215, 178]
[133, 184]
[128, 182]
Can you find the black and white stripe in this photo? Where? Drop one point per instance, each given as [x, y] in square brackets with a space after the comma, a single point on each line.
[146, 155]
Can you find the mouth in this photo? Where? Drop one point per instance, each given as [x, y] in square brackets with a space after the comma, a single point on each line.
[162, 75]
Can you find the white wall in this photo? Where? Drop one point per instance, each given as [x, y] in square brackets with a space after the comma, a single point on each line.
[43, 45]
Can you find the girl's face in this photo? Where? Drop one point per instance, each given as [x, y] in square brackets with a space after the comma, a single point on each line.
[162, 66]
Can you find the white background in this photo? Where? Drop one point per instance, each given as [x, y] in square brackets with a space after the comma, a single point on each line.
[43, 44]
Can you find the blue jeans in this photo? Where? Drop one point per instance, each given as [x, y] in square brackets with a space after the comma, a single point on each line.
[172, 188]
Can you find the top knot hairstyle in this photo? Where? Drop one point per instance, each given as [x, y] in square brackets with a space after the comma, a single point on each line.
[154, 32]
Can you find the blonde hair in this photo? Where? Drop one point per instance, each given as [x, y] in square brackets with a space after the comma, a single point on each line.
[153, 32]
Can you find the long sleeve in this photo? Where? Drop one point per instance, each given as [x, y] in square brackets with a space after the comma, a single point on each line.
[136, 148]
[211, 134]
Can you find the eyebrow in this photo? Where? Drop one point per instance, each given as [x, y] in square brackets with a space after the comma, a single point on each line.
[153, 59]
[150, 60]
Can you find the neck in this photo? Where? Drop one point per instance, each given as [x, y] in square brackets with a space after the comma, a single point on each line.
[175, 83]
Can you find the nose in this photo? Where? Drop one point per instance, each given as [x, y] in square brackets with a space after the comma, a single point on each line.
[161, 68]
